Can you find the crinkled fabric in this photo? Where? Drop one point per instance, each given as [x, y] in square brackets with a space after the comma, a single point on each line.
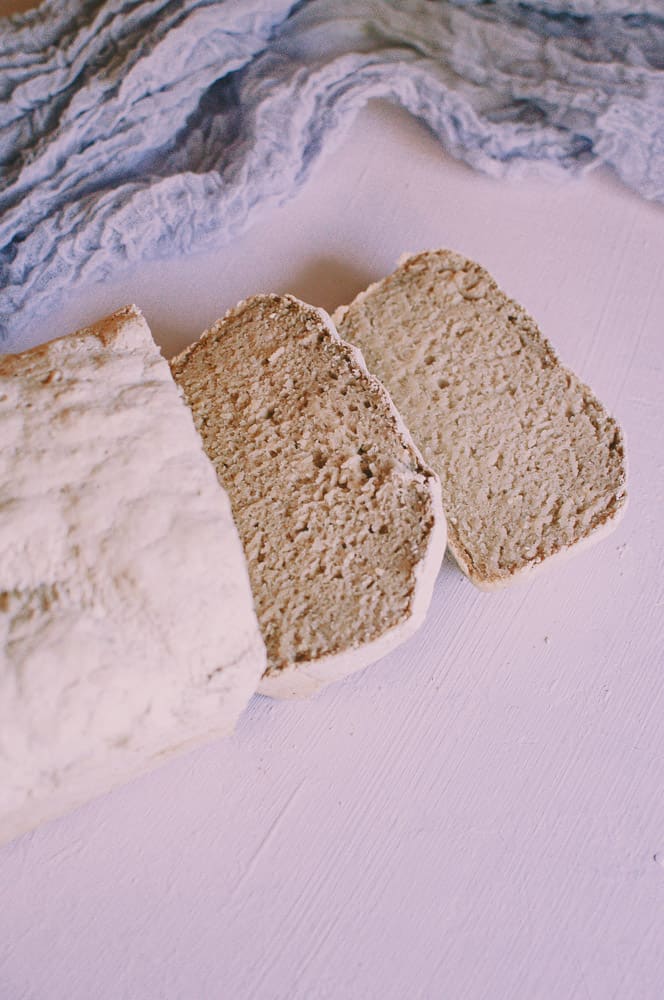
[136, 130]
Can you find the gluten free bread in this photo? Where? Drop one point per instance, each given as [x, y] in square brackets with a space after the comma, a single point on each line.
[127, 627]
[340, 518]
[531, 463]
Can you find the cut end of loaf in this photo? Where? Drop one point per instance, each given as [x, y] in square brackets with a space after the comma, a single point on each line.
[340, 518]
[531, 463]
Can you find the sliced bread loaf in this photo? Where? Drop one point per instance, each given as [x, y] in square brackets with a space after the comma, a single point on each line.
[340, 518]
[127, 627]
[531, 463]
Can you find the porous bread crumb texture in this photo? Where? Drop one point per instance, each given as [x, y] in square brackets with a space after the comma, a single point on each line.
[333, 505]
[530, 461]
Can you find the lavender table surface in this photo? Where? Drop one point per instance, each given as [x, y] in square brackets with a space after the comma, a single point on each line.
[481, 814]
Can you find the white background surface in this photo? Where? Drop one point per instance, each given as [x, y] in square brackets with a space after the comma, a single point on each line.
[476, 816]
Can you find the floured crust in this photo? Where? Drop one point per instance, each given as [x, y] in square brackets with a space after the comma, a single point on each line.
[282, 401]
[110, 331]
[127, 628]
[532, 466]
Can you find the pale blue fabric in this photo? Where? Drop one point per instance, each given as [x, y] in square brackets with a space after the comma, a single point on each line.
[134, 130]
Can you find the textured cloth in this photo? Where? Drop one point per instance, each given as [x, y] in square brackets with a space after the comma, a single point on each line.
[133, 130]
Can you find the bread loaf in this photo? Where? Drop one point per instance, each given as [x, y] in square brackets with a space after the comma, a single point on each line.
[531, 463]
[127, 627]
[340, 518]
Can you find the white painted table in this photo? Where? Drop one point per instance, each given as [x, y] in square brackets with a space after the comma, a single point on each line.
[476, 816]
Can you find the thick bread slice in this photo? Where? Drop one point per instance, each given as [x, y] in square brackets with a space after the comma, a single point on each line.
[127, 627]
[531, 463]
[341, 520]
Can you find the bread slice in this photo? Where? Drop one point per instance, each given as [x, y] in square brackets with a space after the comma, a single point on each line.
[127, 627]
[531, 463]
[340, 518]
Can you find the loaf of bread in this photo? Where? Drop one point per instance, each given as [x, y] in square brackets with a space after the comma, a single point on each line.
[340, 518]
[127, 627]
[531, 463]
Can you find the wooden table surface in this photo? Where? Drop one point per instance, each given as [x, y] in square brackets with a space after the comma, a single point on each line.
[479, 815]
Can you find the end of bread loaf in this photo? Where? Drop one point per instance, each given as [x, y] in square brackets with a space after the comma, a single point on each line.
[532, 465]
[340, 518]
[127, 628]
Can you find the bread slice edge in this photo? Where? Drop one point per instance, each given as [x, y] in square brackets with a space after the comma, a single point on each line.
[303, 679]
[605, 528]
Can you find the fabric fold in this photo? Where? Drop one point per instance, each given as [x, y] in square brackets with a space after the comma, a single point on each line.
[134, 131]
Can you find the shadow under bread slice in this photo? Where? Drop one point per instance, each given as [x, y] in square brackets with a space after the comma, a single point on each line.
[341, 520]
[531, 463]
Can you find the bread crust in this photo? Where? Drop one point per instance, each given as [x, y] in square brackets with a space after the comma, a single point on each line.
[127, 629]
